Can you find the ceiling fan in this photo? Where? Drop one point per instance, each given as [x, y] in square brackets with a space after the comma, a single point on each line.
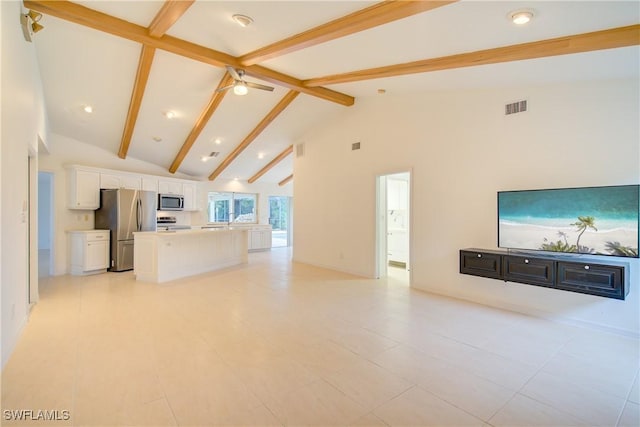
[240, 86]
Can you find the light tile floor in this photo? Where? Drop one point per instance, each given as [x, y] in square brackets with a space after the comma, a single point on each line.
[279, 343]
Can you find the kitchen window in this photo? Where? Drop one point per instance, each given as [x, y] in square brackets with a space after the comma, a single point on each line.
[232, 207]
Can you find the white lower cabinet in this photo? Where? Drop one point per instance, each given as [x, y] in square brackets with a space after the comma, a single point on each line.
[260, 239]
[89, 251]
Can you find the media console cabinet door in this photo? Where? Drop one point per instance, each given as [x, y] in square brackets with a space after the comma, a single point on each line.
[594, 279]
[534, 271]
[481, 264]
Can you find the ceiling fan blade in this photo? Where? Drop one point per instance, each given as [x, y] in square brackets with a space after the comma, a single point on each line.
[233, 72]
[259, 86]
[222, 89]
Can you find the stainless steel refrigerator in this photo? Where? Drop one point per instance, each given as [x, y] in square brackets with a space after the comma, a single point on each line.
[124, 212]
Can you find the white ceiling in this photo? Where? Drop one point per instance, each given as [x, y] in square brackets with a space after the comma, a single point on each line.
[81, 66]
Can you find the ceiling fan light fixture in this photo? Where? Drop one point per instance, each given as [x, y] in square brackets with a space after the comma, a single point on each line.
[521, 17]
[242, 20]
[240, 88]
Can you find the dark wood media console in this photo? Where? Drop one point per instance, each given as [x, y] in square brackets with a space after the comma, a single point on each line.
[601, 278]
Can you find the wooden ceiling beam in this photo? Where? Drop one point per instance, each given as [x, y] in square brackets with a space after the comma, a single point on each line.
[280, 157]
[82, 15]
[286, 180]
[364, 19]
[202, 121]
[597, 40]
[270, 117]
[292, 83]
[119, 27]
[142, 76]
[170, 12]
[167, 16]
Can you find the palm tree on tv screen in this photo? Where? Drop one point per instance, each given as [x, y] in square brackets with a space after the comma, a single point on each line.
[583, 223]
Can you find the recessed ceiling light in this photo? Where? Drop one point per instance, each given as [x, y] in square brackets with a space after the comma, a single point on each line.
[236, 178]
[261, 155]
[157, 139]
[204, 158]
[242, 20]
[169, 114]
[218, 141]
[521, 17]
[88, 109]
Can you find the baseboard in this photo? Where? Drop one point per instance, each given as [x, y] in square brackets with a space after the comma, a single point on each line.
[333, 268]
[14, 341]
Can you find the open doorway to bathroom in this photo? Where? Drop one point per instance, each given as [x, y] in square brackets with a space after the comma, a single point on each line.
[393, 226]
[280, 220]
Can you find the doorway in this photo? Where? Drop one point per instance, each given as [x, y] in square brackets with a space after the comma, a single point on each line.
[45, 224]
[280, 220]
[393, 226]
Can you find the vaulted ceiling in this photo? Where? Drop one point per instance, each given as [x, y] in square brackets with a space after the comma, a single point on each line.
[135, 61]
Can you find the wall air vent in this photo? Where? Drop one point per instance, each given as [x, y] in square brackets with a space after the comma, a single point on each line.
[355, 146]
[515, 107]
[300, 150]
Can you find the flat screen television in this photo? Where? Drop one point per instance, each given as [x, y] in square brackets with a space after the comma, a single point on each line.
[590, 220]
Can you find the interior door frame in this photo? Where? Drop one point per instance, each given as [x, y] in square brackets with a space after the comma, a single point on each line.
[382, 226]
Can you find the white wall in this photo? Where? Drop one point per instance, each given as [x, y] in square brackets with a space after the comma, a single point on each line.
[462, 150]
[23, 120]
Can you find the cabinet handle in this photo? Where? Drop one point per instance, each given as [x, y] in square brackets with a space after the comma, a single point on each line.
[586, 267]
[526, 261]
[479, 255]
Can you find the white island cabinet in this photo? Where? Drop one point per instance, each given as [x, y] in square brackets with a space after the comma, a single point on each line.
[168, 255]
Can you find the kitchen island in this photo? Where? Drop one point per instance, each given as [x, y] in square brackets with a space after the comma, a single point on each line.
[160, 256]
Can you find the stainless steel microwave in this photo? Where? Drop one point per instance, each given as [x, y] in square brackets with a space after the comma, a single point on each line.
[170, 202]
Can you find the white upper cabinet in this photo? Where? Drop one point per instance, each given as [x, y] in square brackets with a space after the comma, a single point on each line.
[132, 182]
[170, 187]
[84, 189]
[189, 193]
[85, 183]
[110, 180]
[150, 184]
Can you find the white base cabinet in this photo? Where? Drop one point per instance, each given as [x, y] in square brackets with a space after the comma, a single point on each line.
[260, 239]
[89, 251]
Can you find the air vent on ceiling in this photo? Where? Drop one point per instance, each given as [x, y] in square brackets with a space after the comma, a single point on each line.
[214, 154]
[355, 146]
[300, 150]
[515, 107]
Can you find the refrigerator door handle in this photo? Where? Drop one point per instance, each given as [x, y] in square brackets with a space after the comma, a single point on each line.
[139, 214]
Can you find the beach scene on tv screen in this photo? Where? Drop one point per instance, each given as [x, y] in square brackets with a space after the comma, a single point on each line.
[595, 220]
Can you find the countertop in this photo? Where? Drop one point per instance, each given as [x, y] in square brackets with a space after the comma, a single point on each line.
[192, 231]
